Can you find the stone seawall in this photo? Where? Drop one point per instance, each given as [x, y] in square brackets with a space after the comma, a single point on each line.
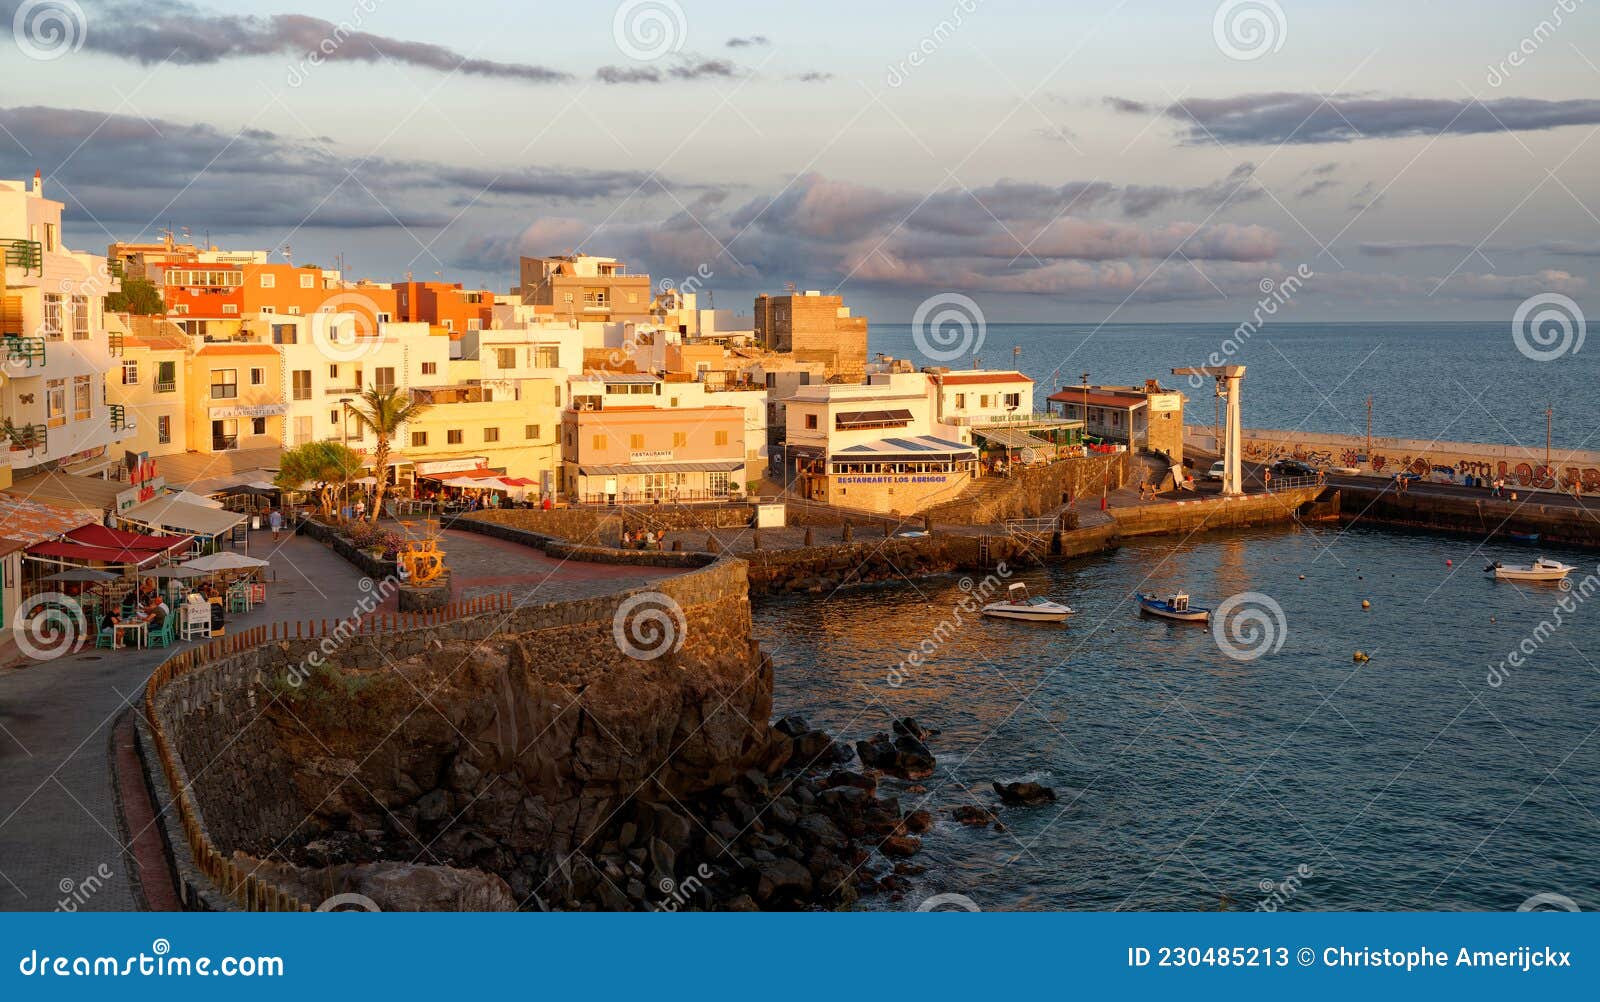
[1481, 517]
[1213, 513]
[1034, 491]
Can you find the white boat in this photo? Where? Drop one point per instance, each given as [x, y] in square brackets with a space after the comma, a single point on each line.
[1019, 605]
[1542, 569]
[1174, 607]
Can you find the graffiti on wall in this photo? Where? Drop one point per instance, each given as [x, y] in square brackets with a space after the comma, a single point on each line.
[1449, 468]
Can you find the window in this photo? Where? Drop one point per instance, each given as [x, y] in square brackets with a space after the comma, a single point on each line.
[474, 324]
[163, 430]
[301, 379]
[721, 438]
[130, 373]
[961, 401]
[80, 318]
[302, 429]
[258, 377]
[224, 435]
[52, 315]
[166, 377]
[717, 483]
[50, 237]
[55, 402]
[491, 434]
[333, 371]
[545, 356]
[598, 443]
[294, 311]
[453, 436]
[983, 401]
[636, 441]
[680, 439]
[258, 426]
[1013, 400]
[82, 398]
[383, 378]
[419, 439]
[558, 396]
[224, 384]
[530, 431]
[308, 282]
[430, 368]
[506, 358]
[268, 281]
[230, 309]
[383, 318]
[811, 421]
[449, 325]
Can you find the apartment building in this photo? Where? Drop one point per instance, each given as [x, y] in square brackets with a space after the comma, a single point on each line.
[877, 445]
[814, 328]
[445, 305]
[236, 400]
[150, 383]
[580, 287]
[56, 348]
[993, 409]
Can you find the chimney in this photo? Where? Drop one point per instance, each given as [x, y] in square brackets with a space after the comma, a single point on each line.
[38, 183]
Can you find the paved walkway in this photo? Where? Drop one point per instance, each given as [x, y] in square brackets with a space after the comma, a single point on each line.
[58, 822]
[484, 565]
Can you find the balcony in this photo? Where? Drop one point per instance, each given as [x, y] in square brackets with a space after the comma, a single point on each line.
[25, 254]
[114, 341]
[997, 419]
[166, 386]
[26, 436]
[24, 349]
[119, 418]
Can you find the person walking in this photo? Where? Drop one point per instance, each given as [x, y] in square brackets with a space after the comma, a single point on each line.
[275, 522]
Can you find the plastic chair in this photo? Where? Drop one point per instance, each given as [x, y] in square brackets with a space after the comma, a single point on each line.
[105, 638]
[162, 637]
[238, 600]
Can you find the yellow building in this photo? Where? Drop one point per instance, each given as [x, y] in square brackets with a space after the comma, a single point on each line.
[469, 426]
[235, 398]
[150, 384]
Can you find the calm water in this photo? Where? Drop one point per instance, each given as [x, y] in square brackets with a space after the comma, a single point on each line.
[1462, 382]
[1187, 778]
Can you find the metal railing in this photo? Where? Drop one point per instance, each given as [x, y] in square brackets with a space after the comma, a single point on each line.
[1294, 483]
[25, 349]
[30, 437]
[166, 386]
[119, 418]
[115, 343]
[25, 254]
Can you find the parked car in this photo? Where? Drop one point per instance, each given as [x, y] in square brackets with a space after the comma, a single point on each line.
[1408, 476]
[1293, 468]
[1216, 471]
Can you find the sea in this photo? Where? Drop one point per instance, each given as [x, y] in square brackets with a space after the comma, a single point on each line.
[1373, 724]
[1450, 382]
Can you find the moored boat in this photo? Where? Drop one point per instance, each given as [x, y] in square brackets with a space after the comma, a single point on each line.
[1173, 607]
[1020, 605]
[1542, 569]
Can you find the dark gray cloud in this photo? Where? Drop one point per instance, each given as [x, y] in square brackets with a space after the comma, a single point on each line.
[749, 42]
[1303, 118]
[156, 32]
[689, 69]
[124, 171]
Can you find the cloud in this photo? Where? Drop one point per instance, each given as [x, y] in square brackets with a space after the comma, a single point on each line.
[686, 70]
[814, 76]
[124, 170]
[181, 33]
[1307, 118]
[749, 41]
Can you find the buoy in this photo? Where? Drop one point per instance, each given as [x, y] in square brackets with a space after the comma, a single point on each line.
[1449, 563]
[1361, 656]
[1302, 577]
[1365, 604]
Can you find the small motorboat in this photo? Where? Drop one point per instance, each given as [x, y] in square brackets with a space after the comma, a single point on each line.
[1020, 605]
[1173, 607]
[1542, 569]
[1524, 537]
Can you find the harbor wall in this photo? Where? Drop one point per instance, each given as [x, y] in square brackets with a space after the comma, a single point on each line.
[1204, 514]
[1523, 467]
[1485, 518]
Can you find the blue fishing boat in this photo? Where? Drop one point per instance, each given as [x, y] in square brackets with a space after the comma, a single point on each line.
[1524, 537]
[1173, 607]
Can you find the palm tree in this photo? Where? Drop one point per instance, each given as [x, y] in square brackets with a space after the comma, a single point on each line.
[383, 412]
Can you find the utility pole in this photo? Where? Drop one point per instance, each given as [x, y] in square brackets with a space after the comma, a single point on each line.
[1549, 423]
[1086, 407]
[1369, 431]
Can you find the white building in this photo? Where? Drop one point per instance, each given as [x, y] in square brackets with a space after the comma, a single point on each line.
[56, 349]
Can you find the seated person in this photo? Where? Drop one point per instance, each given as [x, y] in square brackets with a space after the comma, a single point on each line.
[156, 616]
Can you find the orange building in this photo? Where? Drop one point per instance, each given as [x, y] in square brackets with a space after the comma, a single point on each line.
[287, 289]
[444, 304]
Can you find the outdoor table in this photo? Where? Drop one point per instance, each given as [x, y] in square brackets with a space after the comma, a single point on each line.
[141, 628]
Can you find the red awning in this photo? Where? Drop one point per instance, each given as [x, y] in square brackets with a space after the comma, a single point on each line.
[102, 554]
[481, 473]
[122, 539]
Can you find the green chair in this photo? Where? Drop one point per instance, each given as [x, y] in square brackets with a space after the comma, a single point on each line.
[106, 637]
[164, 636]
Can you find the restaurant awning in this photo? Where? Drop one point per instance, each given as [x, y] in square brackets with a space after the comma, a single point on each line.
[167, 513]
[122, 539]
[623, 469]
[224, 561]
[66, 550]
[1010, 438]
[916, 449]
[847, 420]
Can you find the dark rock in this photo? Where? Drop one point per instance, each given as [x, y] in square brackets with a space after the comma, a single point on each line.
[910, 869]
[792, 726]
[844, 777]
[845, 800]
[815, 748]
[464, 776]
[782, 878]
[904, 757]
[664, 857]
[433, 807]
[900, 846]
[918, 821]
[908, 727]
[1024, 794]
[820, 829]
[740, 903]
[780, 749]
[672, 828]
[969, 814]
[783, 812]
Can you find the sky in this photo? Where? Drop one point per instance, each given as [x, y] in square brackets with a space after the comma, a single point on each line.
[1132, 161]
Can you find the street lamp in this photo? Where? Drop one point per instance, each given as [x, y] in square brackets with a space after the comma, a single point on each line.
[344, 440]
